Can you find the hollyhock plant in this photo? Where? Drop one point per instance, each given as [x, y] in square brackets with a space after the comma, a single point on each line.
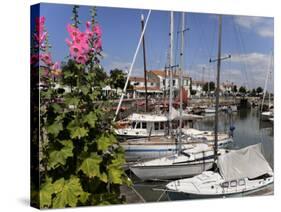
[83, 44]
[40, 35]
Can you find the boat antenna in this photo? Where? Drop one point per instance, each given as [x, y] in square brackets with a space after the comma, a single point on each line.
[218, 60]
[131, 67]
[144, 64]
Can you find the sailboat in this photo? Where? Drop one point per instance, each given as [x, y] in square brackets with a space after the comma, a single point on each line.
[269, 113]
[238, 172]
[154, 134]
[187, 161]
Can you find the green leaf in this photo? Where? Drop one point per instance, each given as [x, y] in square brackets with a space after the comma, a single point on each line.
[58, 158]
[91, 119]
[84, 197]
[55, 128]
[103, 177]
[105, 141]
[72, 101]
[58, 185]
[115, 174]
[46, 192]
[70, 193]
[91, 166]
[76, 131]
[79, 132]
[57, 108]
[84, 89]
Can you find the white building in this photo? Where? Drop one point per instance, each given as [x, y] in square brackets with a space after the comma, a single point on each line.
[139, 87]
[163, 78]
[198, 87]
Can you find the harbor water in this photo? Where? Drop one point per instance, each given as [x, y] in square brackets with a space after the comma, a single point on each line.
[248, 130]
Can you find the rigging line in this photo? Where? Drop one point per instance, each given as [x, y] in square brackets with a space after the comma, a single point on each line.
[202, 37]
[177, 40]
[194, 56]
[243, 50]
[245, 63]
[213, 38]
[131, 67]
[242, 64]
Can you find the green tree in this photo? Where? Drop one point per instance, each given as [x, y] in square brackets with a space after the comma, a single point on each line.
[117, 78]
[259, 90]
[253, 92]
[242, 90]
[235, 89]
[209, 85]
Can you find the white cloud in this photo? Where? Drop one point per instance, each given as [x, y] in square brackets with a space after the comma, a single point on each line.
[262, 26]
[243, 69]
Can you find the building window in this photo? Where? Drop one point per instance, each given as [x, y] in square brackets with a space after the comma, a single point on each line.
[162, 125]
[174, 82]
[156, 126]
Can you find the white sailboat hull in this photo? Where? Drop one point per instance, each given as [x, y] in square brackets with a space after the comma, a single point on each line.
[266, 115]
[135, 151]
[174, 195]
[171, 172]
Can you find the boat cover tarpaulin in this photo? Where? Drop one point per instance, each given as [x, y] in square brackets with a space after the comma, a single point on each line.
[247, 162]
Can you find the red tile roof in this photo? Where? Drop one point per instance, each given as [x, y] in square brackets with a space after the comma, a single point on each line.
[141, 79]
[162, 73]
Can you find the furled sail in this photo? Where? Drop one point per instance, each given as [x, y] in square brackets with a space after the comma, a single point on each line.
[247, 162]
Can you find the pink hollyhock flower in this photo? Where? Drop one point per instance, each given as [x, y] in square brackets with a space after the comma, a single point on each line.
[34, 59]
[55, 66]
[73, 31]
[68, 42]
[46, 58]
[88, 24]
[75, 50]
[97, 30]
[81, 59]
[55, 69]
[97, 43]
[40, 35]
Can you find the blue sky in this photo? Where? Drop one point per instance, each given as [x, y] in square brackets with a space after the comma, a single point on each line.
[248, 39]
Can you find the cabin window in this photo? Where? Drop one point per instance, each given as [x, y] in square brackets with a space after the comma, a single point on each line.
[164, 82]
[138, 125]
[233, 183]
[174, 82]
[134, 125]
[162, 125]
[143, 125]
[241, 182]
[156, 126]
[225, 185]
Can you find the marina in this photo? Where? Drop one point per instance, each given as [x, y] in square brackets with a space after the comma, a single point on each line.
[249, 131]
[135, 118]
[199, 164]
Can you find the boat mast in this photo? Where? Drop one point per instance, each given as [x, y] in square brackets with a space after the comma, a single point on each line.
[131, 67]
[181, 78]
[217, 93]
[170, 70]
[144, 64]
[266, 81]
